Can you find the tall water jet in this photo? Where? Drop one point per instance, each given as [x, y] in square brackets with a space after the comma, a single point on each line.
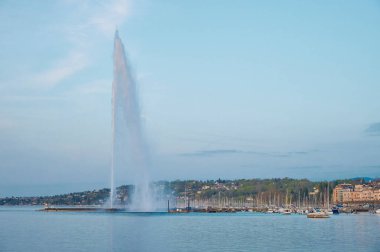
[129, 147]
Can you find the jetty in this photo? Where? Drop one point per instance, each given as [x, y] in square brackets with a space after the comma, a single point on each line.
[81, 209]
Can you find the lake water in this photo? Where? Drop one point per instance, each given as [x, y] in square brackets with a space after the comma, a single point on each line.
[24, 229]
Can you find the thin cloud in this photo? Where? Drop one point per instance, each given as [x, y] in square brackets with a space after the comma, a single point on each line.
[208, 153]
[373, 129]
[102, 86]
[72, 64]
[307, 167]
[29, 98]
[113, 14]
[104, 18]
[205, 153]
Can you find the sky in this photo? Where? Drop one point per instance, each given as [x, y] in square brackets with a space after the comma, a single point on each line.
[228, 89]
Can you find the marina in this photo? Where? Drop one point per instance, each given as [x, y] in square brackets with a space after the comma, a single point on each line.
[309, 212]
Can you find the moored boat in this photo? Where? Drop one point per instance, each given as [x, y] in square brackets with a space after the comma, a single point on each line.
[318, 215]
[287, 212]
[335, 210]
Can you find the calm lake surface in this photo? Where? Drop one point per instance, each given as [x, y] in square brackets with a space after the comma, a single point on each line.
[24, 229]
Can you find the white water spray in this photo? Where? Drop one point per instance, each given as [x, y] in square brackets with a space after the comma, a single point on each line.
[128, 147]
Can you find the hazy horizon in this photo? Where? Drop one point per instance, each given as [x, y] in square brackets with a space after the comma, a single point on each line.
[231, 90]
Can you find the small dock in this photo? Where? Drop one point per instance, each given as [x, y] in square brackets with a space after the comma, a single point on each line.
[81, 209]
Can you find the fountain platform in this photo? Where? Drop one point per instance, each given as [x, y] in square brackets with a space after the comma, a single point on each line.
[81, 209]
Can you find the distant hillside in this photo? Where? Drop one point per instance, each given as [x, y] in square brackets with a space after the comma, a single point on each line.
[364, 179]
[280, 189]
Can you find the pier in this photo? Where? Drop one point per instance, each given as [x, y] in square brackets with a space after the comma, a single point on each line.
[81, 209]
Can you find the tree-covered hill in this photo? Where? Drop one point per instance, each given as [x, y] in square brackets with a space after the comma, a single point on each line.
[267, 190]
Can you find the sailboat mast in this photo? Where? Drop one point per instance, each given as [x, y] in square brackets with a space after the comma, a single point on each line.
[328, 196]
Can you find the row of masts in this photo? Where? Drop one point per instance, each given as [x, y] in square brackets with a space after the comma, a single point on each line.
[267, 199]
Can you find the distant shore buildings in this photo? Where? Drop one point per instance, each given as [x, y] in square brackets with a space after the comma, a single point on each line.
[348, 193]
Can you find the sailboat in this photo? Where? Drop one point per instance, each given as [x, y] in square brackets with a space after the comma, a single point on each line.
[287, 210]
[322, 214]
[318, 215]
[329, 211]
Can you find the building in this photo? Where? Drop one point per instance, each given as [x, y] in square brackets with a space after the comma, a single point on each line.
[341, 192]
[347, 193]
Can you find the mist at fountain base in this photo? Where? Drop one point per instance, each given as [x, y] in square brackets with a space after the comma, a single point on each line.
[140, 199]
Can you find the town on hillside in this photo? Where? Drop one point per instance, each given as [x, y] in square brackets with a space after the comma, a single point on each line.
[261, 194]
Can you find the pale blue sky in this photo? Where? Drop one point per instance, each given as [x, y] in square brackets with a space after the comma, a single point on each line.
[230, 89]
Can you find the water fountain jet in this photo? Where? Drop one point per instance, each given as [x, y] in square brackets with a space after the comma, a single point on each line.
[128, 144]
